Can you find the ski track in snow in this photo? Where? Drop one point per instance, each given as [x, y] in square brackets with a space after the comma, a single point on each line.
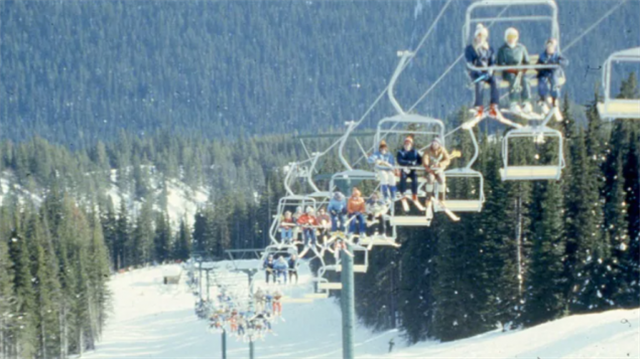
[151, 320]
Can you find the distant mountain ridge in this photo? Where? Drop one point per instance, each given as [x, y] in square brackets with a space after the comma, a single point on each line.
[74, 72]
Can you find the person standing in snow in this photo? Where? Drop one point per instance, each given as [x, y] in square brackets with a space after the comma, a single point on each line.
[549, 79]
[337, 209]
[268, 267]
[293, 268]
[286, 227]
[357, 209]
[408, 157]
[308, 222]
[481, 54]
[513, 53]
[384, 165]
[435, 160]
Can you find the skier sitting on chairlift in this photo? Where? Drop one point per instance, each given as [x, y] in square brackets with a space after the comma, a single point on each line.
[513, 53]
[435, 160]
[280, 267]
[268, 268]
[293, 268]
[357, 209]
[325, 225]
[277, 304]
[286, 227]
[308, 222]
[297, 230]
[409, 157]
[549, 79]
[384, 166]
[337, 209]
[481, 54]
[259, 298]
[376, 208]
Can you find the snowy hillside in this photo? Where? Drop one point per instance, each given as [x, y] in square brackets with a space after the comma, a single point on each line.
[151, 320]
[182, 200]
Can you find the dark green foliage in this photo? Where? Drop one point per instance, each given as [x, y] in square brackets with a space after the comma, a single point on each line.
[544, 281]
[182, 243]
[56, 267]
[162, 239]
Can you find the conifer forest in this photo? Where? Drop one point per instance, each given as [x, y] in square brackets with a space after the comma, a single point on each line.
[106, 105]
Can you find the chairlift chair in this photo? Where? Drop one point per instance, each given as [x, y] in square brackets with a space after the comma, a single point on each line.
[285, 204]
[424, 126]
[612, 108]
[362, 266]
[471, 20]
[532, 172]
[467, 173]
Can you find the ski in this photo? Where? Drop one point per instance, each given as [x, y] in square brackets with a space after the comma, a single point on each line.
[405, 204]
[429, 212]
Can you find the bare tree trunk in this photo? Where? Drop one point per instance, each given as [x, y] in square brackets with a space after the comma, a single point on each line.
[44, 339]
[519, 242]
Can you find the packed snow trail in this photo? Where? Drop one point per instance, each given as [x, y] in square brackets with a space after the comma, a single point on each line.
[152, 320]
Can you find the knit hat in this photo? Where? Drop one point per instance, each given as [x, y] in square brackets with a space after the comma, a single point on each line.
[512, 31]
[480, 29]
[383, 143]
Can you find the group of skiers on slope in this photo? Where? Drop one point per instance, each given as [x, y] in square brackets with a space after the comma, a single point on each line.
[434, 160]
[513, 53]
[279, 267]
[250, 324]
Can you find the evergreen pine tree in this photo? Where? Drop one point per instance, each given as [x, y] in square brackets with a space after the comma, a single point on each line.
[47, 289]
[162, 238]
[590, 261]
[25, 331]
[7, 296]
[123, 241]
[182, 242]
[544, 297]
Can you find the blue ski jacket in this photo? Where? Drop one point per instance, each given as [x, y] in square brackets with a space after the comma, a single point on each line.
[409, 158]
[280, 266]
[479, 57]
[546, 59]
[337, 206]
[378, 156]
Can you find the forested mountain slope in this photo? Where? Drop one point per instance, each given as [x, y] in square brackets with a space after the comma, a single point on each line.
[78, 71]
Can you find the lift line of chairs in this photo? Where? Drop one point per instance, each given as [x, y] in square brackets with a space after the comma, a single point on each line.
[402, 124]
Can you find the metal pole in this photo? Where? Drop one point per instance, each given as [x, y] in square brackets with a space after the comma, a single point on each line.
[348, 305]
[251, 309]
[200, 281]
[208, 294]
[224, 344]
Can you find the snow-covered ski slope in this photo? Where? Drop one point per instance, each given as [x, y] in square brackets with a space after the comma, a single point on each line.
[152, 320]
